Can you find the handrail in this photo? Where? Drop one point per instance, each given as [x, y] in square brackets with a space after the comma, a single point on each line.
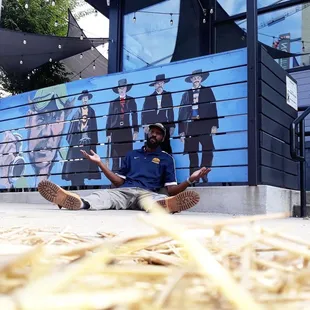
[302, 116]
[301, 109]
[293, 148]
[300, 122]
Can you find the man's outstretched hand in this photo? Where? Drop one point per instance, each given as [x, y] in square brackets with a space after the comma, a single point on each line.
[199, 174]
[92, 156]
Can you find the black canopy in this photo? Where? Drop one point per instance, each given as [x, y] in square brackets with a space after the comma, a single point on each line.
[84, 66]
[38, 49]
[130, 7]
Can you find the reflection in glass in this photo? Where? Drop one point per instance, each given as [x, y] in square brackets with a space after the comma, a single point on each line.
[287, 30]
[150, 35]
[264, 3]
[239, 6]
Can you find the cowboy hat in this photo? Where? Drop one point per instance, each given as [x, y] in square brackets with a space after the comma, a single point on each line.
[160, 77]
[85, 93]
[122, 83]
[204, 75]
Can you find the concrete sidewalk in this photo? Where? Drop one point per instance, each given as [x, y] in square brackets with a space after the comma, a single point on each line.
[231, 200]
[123, 223]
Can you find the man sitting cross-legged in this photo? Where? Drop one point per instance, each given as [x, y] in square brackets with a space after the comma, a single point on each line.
[144, 172]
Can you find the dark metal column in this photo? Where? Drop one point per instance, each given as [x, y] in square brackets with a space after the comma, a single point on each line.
[303, 193]
[116, 36]
[299, 123]
[206, 36]
[212, 31]
[0, 8]
[252, 57]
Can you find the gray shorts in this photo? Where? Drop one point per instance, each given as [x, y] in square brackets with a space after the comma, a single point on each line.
[126, 198]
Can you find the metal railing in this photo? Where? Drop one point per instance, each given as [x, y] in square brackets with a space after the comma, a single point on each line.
[299, 124]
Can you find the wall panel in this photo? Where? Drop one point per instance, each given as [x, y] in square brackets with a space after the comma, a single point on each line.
[275, 117]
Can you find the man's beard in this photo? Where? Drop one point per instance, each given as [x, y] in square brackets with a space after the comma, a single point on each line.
[152, 143]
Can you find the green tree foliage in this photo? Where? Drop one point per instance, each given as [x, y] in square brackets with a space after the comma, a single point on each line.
[41, 17]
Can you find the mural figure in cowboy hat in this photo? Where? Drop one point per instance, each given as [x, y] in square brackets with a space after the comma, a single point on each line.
[120, 132]
[198, 121]
[158, 108]
[83, 133]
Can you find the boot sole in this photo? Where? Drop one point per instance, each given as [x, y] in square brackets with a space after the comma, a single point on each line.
[180, 202]
[59, 196]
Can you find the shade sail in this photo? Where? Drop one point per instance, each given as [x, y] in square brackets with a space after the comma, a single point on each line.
[130, 6]
[100, 5]
[38, 49]
[76, 65]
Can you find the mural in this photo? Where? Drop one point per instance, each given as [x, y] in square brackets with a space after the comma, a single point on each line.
[119, 133]
[82, 133]
[192, 109]
[158, 108]
[202, 103]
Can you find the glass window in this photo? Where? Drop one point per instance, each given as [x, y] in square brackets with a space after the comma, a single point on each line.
[287, 30]
[233, 7]
[150, 35]
[239, 6]
[263, 3]
[229, 37]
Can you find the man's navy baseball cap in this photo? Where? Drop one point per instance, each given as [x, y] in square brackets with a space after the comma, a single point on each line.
[160, 127]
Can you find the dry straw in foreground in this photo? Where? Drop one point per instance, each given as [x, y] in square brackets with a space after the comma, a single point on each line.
[232, 264]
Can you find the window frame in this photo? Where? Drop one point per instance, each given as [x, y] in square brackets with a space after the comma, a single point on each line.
[263, 10]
